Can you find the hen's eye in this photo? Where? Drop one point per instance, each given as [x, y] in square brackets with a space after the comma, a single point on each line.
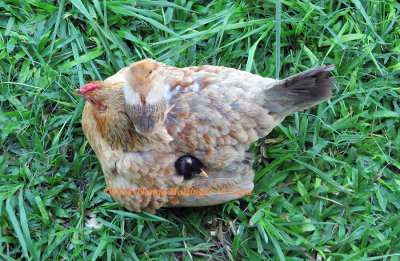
[150, 71]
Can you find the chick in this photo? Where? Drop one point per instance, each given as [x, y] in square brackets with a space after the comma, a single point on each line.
[144, 96]
[190, 167]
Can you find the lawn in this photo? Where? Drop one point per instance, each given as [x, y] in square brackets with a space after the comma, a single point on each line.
[327, 179]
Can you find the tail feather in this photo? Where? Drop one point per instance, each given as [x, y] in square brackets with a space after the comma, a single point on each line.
[300, 91]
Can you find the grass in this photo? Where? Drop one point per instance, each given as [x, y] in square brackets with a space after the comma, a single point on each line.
[328, 184]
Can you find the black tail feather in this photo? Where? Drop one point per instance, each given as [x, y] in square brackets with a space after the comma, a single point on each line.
[300, 91]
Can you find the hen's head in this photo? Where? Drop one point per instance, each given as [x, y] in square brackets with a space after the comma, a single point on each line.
[141, 76]
[100, 95]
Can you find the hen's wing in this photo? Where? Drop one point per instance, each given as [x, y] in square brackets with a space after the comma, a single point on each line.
[215, 115]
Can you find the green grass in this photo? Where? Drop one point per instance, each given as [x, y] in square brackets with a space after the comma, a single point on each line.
[328, 179]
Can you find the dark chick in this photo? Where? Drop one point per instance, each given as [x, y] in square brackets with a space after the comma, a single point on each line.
[190, 167]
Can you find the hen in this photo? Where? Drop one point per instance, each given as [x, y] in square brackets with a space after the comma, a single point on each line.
[217, 112]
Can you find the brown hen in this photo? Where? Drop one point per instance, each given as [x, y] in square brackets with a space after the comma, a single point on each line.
[217, 113]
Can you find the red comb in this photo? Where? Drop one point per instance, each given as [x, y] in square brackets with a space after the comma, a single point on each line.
[89, 87]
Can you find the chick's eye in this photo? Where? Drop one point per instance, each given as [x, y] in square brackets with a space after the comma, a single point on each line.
[150, 71]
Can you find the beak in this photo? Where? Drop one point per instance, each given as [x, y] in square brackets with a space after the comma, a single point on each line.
[78, 92]
[203, 173]
[170, 109]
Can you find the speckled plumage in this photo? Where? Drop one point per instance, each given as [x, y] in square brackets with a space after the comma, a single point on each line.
[217, 113]
[145, 103]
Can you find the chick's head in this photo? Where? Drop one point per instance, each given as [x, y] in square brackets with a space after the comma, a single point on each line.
[141, 75]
